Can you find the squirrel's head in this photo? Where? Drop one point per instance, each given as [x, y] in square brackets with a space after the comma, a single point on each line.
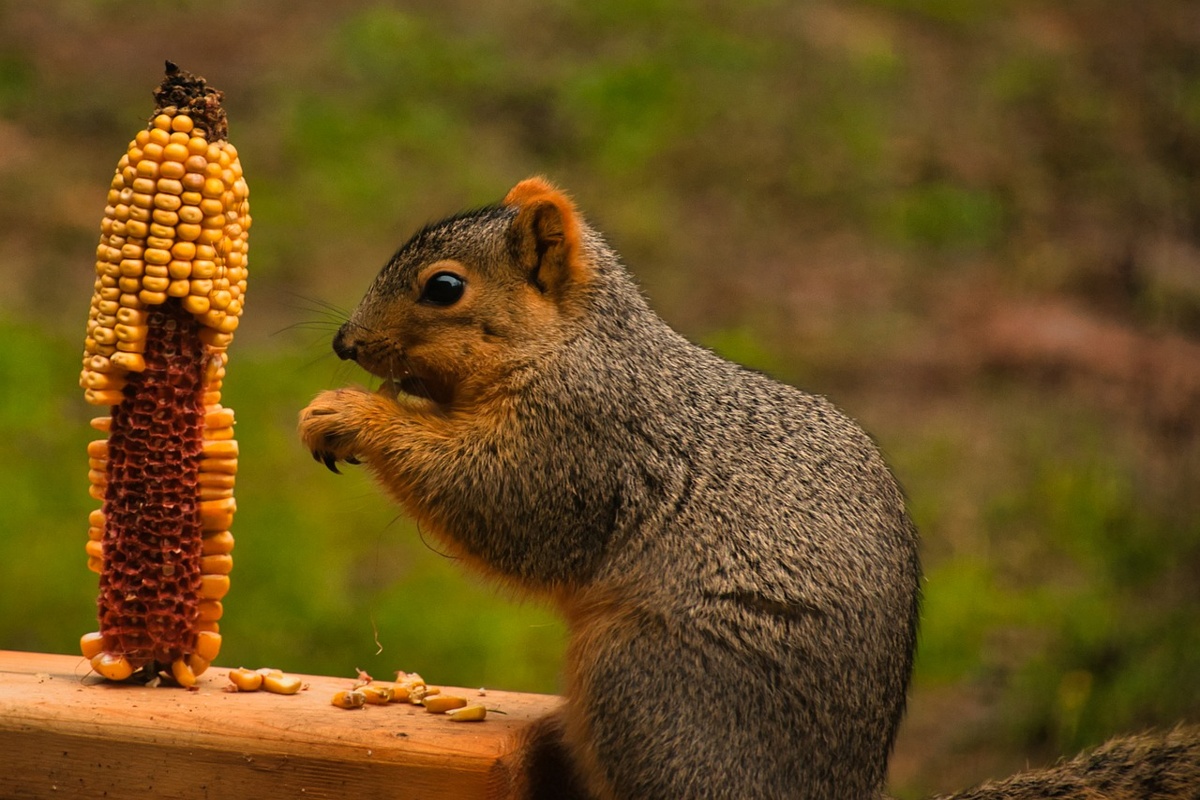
[468, 301]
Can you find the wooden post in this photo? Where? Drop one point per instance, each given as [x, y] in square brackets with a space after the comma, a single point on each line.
[66, 734]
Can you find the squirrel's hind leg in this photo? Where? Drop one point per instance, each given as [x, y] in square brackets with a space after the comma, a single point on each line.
[541, 767]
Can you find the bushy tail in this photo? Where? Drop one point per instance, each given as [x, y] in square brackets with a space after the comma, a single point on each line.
[1158, 766]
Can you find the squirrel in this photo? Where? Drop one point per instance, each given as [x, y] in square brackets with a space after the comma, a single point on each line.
[734, 560]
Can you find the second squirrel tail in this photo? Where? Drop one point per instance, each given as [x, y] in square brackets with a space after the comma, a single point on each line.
[1155, 766]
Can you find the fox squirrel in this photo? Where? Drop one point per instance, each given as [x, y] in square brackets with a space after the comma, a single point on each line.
[734, 560]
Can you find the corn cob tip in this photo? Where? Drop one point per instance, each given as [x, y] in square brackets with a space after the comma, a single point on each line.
[191, 95]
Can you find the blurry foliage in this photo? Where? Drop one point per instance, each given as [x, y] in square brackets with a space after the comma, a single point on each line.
[809, 188]
[1079, 631]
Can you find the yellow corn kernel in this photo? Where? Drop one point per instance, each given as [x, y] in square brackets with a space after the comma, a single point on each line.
[217, 515]
[213, 587]
[113, 667]
[377, 694]
[220, 449]
[282, 684]
[221, 564]
[210, 610]
[475, 712]
[91, 644]
[349, 698]
[215, 493]
[246, 680]
[219, 543]
[417, 693]
[442, 703]
[208, 645]
[104, 397]
[183, 674]
[217, 480]
[130, 362]
[219, 433]
[100, 380]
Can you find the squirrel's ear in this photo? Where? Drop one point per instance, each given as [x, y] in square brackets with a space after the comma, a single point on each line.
[545, 234]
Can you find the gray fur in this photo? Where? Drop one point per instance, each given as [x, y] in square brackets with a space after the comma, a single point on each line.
[734, 559]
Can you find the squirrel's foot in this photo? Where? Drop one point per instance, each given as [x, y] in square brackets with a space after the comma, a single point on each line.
[330, 426]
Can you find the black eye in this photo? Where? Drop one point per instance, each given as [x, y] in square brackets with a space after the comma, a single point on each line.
[443, 289]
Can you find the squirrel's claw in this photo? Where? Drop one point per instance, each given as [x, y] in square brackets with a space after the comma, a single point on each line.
[328, 459]
[330, 426]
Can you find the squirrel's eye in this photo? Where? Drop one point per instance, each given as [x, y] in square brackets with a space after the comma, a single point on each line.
[443, 289]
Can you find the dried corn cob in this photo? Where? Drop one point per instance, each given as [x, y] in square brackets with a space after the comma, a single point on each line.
[170, 281]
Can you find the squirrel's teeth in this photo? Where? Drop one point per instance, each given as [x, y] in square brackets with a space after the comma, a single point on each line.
[389, 389]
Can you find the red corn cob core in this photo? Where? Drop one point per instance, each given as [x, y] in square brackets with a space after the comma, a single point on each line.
[149, 587]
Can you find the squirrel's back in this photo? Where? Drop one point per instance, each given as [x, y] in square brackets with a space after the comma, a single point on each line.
[758, 534]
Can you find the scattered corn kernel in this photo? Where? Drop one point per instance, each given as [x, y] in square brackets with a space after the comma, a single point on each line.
[284, 684]
[474, 712]
[246, 680]
[442, 703]
[377, 695]
[349, 698]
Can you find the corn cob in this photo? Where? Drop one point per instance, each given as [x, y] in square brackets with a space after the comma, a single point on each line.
[170, 281]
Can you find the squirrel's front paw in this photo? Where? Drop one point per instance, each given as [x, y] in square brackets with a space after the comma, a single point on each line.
[331, 425]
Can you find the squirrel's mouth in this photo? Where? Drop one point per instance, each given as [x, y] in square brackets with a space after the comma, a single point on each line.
[418, 387]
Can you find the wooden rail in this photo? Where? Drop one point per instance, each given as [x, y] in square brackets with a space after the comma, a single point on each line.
[65, 734]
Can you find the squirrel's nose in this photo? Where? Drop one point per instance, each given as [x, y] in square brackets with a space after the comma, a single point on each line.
[345, 349]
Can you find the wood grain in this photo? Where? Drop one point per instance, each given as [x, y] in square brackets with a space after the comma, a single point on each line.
[66, 734]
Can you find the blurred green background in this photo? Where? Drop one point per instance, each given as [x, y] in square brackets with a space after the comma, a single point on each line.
[976, 226]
